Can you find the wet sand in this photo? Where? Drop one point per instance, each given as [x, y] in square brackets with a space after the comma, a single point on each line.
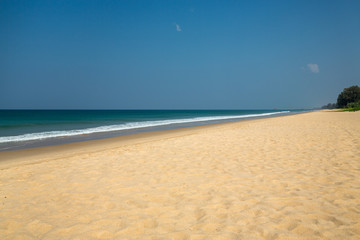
[291, 177]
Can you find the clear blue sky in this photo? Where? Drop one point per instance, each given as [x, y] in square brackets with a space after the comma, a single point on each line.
[177, 54]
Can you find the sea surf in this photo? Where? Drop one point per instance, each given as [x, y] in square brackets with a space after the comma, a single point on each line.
[28, 128]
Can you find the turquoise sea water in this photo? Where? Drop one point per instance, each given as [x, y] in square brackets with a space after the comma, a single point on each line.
[29, 128]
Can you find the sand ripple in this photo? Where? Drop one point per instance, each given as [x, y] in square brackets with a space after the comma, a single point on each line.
[293, 177]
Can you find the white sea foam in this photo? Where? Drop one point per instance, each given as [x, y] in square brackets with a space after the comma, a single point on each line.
[125, 126]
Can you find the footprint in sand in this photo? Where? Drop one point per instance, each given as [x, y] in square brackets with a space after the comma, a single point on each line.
[38, 228]
[199, 214]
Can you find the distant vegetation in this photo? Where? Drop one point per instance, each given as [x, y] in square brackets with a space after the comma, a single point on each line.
[329, 106]
[348, 100]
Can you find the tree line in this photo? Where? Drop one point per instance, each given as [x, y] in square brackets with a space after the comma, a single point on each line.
[348, 98]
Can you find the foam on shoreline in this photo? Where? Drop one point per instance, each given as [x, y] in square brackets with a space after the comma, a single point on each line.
[125, 126]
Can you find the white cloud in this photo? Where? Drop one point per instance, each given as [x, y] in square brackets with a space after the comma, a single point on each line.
[178, 28]
[313, 67]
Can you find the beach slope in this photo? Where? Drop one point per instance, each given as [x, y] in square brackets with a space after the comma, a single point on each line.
[290, 177]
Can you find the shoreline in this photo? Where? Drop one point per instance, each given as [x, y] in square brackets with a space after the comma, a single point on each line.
[103, 144]
[53, 141]
[286, 177]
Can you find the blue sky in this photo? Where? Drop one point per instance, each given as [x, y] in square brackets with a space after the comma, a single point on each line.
[177, 54]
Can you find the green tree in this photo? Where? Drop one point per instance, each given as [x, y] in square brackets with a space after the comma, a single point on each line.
[329, 106]
[349, 95]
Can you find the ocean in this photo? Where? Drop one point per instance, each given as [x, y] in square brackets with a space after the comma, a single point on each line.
[21, 129]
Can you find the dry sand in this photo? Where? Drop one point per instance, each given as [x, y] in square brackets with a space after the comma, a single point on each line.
[292, 177]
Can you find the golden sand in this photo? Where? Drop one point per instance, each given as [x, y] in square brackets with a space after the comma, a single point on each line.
[292, 177]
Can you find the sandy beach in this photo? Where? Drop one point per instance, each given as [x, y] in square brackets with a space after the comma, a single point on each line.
[290, 177]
